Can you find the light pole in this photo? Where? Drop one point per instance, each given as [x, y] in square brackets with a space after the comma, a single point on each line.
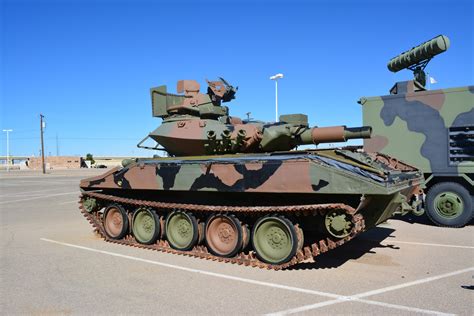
[42, 125]
[248, 116]
[8, 148]
[276, 77]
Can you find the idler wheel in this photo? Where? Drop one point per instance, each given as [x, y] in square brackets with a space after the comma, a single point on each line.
[146, 226]
[274, 239]
[224, 235]
[338, 224]
[115, 221]
[181, 230]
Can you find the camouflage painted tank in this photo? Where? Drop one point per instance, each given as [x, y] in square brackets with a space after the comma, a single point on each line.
[233, 190]
[430, 129]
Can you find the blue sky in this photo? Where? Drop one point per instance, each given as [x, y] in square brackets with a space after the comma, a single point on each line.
[88, 65]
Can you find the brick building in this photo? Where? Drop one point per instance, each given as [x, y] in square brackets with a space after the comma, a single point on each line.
[56, 162]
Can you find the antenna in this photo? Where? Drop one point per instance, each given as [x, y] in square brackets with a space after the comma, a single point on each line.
[57, 145]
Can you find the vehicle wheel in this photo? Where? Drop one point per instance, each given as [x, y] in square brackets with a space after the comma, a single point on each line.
[146, 226]
[449, 204]
[338, 224]
[224, 235]
[274, 239]
[181, 230]
[115, 221]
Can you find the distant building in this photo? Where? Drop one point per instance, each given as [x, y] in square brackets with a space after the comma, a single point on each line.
[56, 162]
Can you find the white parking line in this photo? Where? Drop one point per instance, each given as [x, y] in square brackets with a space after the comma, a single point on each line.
[336, 298]
[351, 299]
[427, 244]
[358, 297]
[402, 307]
[417, 282]
[39, 197]
[218, 275]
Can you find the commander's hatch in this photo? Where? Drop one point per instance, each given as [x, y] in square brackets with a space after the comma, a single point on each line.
[161, 101]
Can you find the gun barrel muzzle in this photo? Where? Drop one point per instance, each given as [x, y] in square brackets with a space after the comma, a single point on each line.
[358, 132]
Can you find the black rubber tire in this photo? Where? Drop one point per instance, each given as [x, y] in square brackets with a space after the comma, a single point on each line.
[156, 233]
[294, 238]
[125, 221]
[459, 221]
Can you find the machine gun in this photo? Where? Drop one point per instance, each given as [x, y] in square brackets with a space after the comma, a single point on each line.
[418, 57]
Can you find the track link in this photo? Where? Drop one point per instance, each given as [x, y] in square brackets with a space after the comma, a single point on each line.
[306, 254]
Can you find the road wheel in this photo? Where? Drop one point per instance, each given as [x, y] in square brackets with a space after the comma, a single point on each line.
[449, 204]
[181, 230]
[115, 221]
[146, 226]
[274, 239]
[224, 235]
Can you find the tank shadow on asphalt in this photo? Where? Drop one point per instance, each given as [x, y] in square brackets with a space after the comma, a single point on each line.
[363, 244]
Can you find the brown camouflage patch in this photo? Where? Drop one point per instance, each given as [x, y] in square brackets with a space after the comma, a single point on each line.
[435, 100]
[146, 177]
[254, 166]
[105, 180]
[292, 176]
[228, 176]
[376, 143]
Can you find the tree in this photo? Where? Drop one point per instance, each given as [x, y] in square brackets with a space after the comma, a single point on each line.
[90, 158]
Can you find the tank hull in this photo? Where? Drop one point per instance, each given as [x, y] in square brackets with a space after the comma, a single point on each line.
[323, 197]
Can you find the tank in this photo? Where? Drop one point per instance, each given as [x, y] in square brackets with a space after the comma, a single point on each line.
[237, 191]
[432, 129]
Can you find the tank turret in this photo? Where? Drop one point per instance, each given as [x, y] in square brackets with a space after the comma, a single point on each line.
[195, 123]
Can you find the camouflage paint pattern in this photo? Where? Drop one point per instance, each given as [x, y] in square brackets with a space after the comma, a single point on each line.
[196, 123]
[198, 129]
[322, 172]
[221, 169]
[430, 129]
[342, 174]
[414, 127]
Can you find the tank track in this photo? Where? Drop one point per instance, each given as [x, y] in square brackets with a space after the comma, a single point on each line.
[306, 254]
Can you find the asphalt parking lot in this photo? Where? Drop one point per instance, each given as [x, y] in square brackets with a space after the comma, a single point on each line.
[52, 263]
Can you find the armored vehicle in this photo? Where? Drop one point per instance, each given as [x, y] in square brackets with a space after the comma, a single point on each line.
[234, 191]
[430, 129]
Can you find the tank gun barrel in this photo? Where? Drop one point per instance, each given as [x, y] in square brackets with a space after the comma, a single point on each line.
[332, 134]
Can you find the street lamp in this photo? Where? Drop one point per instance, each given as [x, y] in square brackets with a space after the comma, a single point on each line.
[8, 148]
[276, 77]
